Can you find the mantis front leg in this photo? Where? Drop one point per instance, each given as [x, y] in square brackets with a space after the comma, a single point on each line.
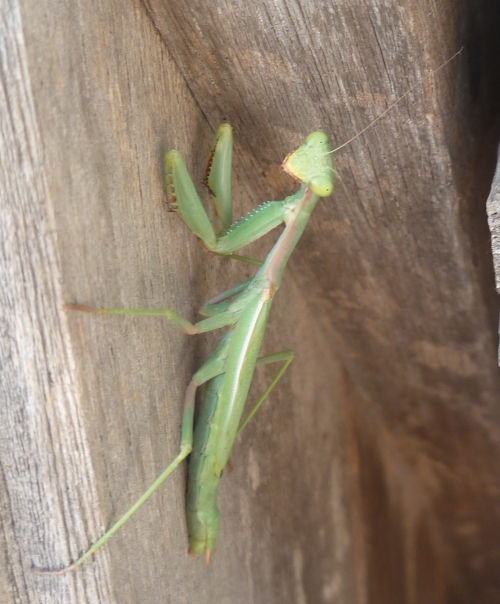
[182, 197]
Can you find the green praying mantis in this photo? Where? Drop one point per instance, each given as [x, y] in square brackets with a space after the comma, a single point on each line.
[243, 310]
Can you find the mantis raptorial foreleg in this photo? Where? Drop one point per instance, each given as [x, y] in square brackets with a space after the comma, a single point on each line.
[182, 197]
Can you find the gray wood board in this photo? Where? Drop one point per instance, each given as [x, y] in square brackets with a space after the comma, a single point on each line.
[398, 267]
[91, 406]
[371, 474]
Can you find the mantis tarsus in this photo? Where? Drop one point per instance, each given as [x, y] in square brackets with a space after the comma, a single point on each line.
[243, 310]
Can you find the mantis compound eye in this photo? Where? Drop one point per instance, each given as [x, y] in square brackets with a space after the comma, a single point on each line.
[317, 138]
[321, 185]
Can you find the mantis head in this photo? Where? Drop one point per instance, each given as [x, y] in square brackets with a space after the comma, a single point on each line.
[312, 164]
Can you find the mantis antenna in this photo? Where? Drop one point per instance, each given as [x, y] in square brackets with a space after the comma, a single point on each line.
[396, 102]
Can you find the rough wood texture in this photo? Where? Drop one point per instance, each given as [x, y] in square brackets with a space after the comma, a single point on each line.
[91, 410]
[493, 208]
[372, 474]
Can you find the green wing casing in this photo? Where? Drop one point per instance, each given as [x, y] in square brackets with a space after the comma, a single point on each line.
[218, 423]
[201, 506]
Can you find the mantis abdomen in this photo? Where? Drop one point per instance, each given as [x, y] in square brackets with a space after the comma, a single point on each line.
[219, 420]
[201, 505]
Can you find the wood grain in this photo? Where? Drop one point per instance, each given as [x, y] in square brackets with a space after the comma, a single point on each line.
[103, 107]
[399, 269]
[371, 476]
[493, 209]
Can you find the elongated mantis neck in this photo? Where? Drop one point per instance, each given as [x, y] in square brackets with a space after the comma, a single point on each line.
[301, 206]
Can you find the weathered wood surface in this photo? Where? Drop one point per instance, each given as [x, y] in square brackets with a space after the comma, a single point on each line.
[493, 209]
[91, 407]
[400, 271]
[372, 475]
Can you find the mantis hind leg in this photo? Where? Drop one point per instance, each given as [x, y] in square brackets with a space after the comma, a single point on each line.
[286, 357]
[185, 450]
[212, 367]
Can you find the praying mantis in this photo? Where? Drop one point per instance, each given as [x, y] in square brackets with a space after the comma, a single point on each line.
[243, 310]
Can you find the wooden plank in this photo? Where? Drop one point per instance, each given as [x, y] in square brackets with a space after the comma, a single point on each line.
[387, 303]
[399, 268]
[93, 414]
